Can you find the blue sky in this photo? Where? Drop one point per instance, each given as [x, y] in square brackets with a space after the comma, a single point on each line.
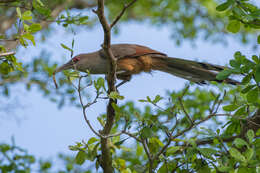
[45, 130]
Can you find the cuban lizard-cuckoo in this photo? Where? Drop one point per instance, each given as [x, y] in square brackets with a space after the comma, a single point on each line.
[133, 59]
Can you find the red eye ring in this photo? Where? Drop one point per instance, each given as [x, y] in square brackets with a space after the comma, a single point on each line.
[76, 59]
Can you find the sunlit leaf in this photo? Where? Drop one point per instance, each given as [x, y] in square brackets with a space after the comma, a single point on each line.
[223, 7]
[237, 155]
[80, 157]
[233, 26]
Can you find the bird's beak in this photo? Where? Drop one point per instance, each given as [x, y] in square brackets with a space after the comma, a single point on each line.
[68, 65]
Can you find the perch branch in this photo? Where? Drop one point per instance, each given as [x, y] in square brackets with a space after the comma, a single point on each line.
[6, 54]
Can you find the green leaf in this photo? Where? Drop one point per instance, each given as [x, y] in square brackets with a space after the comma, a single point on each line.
[238, 11]
[99, 83]
[35, 27]
[247, 79]
[258, 39]
[242, 170]
[92, 140]
[255, 59]
[163, 169]
[257, 73]
[80, 157]
[223, 168]
[240, 111]
[240, 142]
[154, 144]
[66, 47]
[120, 142]
[101, 121]
[5, 68]
[209, 131]
[69, 167]
[27, 15]
[157, 141]
[142, 100]
[149, 99]
[83, 19]
[4, 147]
[120, 162]
[29, 37]
[18, 11]
[234, 63]
[250, 135]
[252, 95]
[230, 108]
[233, 26]
[157, 99]
[257, 132]
[40, 2]
[207, 152]
[72, 43]
[249, 154]
[223, 74]
[248, 88]
[172, 150]
[115, 95]
[139, 150]
[223, 7]
[238, 56]
[45, 165]
[147, 132]
[237, 155]
[204, 169]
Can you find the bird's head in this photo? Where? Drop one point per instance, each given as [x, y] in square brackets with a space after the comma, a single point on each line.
[72, 64]
[90, 62]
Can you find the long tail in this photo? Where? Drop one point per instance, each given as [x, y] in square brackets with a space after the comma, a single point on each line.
[197, 72]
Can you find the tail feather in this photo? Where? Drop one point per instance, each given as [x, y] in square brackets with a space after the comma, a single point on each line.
[198, 72]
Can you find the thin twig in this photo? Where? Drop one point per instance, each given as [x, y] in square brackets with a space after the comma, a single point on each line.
[193, 125]
[184, 110]
[121, 13]
[164, 148]
[132, 135]
[84, 110]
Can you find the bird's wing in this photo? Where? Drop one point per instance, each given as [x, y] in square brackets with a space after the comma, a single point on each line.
[130, 50]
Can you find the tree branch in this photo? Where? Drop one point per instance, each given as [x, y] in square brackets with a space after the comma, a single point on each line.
[6, 54]
[85, 106]
[7, 1]
[106, 159]
[147, 152]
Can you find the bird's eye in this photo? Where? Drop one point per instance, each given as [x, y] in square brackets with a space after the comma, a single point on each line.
[76, 59]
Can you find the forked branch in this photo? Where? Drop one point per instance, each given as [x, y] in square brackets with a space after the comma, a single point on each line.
[106, 158]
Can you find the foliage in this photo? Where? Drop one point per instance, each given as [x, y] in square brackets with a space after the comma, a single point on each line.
[178, 137]
[16, 159]
[191, 130]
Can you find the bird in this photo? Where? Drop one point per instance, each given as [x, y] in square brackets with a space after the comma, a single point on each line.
[133, 59]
